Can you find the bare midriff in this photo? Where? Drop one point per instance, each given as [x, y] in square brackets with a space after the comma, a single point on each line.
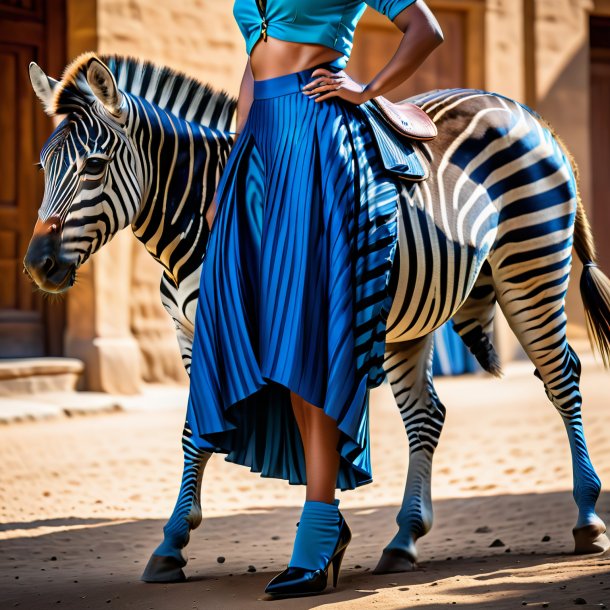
[273, 57]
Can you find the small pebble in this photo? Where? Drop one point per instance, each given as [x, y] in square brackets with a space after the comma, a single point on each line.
[545, 538]
[220, 559]
[251, 569]
[357, 566]
[275, 537]
[580, 601]
[482, 530]
[497, 543]
[53, 558]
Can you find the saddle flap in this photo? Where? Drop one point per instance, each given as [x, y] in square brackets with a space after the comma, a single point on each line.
[399, 154]
[406, 118]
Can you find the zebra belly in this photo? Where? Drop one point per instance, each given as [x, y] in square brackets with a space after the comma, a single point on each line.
[434, 275]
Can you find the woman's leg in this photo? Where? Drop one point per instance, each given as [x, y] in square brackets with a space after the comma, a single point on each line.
[320, 437]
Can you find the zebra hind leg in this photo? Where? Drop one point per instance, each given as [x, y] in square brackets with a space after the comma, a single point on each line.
[168, 559]
[536, 315]
[409, 370]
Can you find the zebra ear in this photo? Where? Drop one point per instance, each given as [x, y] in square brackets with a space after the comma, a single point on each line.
[104, 86]
[43, 86]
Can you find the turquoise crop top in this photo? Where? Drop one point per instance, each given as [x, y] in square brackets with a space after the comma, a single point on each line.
[327, 22]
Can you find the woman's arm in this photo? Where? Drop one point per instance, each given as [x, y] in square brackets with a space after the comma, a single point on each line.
[421, 35]
[244, 101]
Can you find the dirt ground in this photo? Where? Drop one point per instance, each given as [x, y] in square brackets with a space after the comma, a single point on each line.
[83, 501]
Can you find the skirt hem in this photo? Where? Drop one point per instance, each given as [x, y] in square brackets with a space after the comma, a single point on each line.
[349, 447]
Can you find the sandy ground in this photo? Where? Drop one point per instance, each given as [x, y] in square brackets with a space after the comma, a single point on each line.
[83, 501]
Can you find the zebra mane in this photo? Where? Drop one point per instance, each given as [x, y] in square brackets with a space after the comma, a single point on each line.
[174, 91]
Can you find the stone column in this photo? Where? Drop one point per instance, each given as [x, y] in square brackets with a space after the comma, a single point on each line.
[98, 306]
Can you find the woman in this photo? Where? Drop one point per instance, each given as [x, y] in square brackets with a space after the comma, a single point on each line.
[289, 333]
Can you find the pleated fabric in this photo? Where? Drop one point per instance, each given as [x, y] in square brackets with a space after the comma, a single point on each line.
[294, 290]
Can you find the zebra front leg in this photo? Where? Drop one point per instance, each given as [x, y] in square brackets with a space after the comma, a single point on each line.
[409, 370]
[168, 559]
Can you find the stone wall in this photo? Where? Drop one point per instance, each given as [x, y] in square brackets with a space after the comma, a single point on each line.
[199, 37]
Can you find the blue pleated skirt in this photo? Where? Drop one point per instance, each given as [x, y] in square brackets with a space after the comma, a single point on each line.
[294, 290]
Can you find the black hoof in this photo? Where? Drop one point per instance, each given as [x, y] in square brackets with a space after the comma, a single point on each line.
[591, 539]
[163, 569]
[395, 560]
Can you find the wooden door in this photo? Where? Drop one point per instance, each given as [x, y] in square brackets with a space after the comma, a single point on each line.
[30, 30]
[600, 135]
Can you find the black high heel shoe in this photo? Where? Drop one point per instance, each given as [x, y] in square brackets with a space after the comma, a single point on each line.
[299, 582]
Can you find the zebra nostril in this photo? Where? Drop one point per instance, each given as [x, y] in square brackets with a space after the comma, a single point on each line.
[48, 265]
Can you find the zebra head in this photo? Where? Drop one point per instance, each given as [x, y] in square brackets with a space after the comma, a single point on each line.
[92, 178]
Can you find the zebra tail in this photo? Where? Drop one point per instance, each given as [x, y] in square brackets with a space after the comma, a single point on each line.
[594, 286]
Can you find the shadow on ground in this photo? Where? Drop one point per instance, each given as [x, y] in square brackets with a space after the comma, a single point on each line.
[96, 563]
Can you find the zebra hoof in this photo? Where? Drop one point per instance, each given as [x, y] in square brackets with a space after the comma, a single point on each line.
[395, 560]
[163, 569]
[591, 539]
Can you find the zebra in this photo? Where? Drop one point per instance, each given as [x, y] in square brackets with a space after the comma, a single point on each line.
[495, 223]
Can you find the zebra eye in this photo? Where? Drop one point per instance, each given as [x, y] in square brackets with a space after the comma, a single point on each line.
[95, 164]
[93, 168]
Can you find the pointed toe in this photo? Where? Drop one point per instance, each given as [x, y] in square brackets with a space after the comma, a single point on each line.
[297, 582]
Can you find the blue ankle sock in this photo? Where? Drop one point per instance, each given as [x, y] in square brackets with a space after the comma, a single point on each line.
[317, 535]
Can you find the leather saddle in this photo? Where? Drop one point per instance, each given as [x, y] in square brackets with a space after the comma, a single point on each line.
[407, 118]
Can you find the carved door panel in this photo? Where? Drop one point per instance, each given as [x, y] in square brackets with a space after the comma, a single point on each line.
[30, 30]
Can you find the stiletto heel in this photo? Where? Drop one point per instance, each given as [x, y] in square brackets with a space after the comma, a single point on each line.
[299, 582]
[336, 561]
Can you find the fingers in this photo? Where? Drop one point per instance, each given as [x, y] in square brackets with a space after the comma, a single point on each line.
[327, 95]
[324, 79]
[322, 89]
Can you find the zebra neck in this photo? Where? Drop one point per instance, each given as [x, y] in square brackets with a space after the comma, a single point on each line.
[180, 166]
